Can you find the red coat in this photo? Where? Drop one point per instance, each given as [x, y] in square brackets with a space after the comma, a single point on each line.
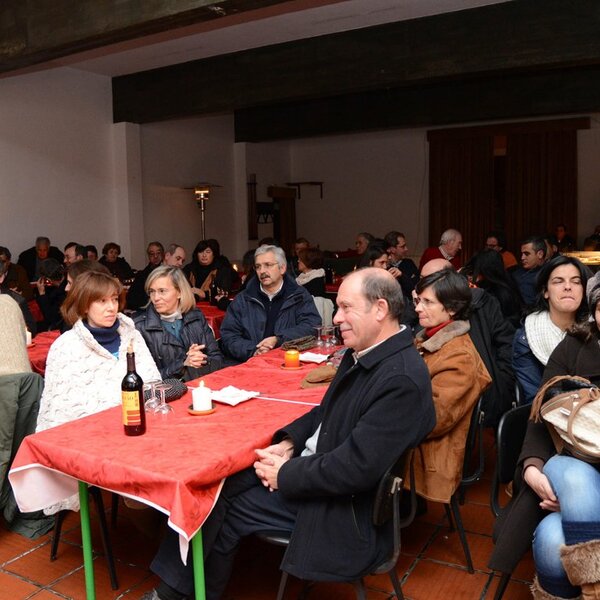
[435, 252]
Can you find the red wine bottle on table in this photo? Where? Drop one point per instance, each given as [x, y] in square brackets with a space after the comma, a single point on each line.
[132, 396]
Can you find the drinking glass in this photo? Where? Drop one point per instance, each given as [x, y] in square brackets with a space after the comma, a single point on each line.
[320, 341]
[163, 408]
[153, 400]
[328, 337]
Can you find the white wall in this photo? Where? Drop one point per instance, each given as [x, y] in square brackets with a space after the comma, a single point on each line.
[56, 176]
[372, 182]
[177, 155]
[68, 172]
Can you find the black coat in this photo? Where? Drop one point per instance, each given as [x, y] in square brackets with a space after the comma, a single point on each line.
[372, 411]
[515, 526]
[136, 294]
[492, 336]
[169, 353]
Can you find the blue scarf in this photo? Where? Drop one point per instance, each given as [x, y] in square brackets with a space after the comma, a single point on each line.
[107, 337]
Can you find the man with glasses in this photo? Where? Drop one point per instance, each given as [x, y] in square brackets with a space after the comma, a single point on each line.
[496, 240]
[271, 310]
[136, 296]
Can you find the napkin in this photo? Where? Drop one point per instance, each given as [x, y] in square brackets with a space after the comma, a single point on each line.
[313, 357]
[232, 395]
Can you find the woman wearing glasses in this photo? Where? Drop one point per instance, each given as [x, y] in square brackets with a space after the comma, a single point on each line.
[175, 331]
[458, 378]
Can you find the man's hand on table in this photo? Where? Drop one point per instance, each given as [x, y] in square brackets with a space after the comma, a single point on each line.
[266, 345]
[270, 460]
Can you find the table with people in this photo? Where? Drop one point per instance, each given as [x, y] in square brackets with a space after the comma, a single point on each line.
[478, 331]
[183, 482]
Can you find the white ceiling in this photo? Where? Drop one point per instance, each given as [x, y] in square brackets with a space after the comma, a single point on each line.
[283, 23]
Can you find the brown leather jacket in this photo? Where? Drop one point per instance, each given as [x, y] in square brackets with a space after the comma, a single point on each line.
[458, 378]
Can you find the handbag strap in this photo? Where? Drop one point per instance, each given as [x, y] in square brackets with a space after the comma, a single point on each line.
[594, 394]
[535, 415]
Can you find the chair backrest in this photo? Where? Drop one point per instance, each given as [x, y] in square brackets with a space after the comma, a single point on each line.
[390, 487]
[474, 439]
[325, 310]
[509, 440]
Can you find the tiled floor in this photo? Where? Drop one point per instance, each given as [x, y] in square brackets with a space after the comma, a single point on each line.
[431, 564]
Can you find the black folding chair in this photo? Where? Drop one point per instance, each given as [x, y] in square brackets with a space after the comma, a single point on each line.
[509, 440]
[474, 439]
[386, 507]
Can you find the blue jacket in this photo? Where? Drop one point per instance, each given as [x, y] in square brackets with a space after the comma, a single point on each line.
[244, 323]
[528, 369]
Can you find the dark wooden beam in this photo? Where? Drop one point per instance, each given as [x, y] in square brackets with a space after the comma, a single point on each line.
[33, 32]
[513, 37]
[510, 97]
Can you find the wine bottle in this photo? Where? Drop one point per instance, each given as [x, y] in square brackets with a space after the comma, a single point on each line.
[132, 396]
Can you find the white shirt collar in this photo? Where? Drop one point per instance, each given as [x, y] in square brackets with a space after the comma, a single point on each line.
[271, 296]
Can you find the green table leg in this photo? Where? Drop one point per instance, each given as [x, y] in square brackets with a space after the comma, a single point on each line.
[198, 563]
[86, 537]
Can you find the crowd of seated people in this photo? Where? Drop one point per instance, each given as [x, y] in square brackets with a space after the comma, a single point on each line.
[479, 328]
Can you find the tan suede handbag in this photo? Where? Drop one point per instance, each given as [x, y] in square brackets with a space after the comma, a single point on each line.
[570, 407]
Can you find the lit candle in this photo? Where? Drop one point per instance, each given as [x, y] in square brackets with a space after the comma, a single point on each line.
[201, 397]
[28, 337]
[292, 359]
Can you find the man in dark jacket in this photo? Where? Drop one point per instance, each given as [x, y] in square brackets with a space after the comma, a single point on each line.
[318, 479]
[32, 258]
[271, 310]
[136, 295]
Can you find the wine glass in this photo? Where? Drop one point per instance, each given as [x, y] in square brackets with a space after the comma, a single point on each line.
[150, 387]
[328, 337]
[320, 342]
[163, 408]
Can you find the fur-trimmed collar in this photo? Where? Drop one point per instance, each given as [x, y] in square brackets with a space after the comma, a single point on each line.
[442, 337]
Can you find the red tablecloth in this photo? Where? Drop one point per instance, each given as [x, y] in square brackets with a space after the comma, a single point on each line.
[38, 351]
[214, 317]
[179, 465]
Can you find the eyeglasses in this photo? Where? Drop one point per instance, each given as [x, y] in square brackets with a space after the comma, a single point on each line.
[258, 267]
[161, 292]
[425, 301]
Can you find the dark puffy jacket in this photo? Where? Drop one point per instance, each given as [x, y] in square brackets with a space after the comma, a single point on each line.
[169, 353]
[492, 336]
[246, 318]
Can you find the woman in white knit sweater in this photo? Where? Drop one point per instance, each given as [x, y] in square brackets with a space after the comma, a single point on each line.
[86, 365]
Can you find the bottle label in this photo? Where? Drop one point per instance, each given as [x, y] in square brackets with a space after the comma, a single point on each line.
[131, 408]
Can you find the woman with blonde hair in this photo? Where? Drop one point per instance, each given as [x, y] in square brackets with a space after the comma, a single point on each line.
[176, 332]
[86, 365]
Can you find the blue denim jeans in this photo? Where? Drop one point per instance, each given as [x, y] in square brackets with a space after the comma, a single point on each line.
[577, 487]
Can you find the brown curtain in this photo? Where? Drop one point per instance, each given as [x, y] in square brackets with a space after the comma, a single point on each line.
[541, 183]
[461, 188]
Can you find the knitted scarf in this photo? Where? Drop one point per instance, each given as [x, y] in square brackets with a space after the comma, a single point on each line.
[304, 278]
[542, 335]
